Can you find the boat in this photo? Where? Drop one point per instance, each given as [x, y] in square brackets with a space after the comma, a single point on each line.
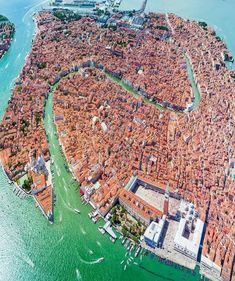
[101, 229]
[125, 267]
[137, 251]
[123, 241]
[127, 243]
[90, 215]
[77, 211]
[112, 239]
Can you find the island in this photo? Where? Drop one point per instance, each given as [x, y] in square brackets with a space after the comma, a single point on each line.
[144, 109]
[7, 30]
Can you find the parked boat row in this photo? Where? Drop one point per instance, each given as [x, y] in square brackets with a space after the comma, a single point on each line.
[94, 216]
[20, 193]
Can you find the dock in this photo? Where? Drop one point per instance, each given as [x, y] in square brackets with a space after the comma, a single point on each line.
[108, 228]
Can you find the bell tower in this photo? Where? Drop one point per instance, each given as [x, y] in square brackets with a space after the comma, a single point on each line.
[166, 201]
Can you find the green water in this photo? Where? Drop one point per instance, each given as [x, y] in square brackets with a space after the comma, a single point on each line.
[195, 90]
[72, 248]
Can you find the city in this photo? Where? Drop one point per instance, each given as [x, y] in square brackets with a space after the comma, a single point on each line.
[144, 113]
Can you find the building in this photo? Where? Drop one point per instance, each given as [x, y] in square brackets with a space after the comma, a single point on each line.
[157, 186]
[166, 202]
[138, 208]
[211, 266]
[42, 194]
[153, 233]
[87, 191]
[188, 237]
[84, 3]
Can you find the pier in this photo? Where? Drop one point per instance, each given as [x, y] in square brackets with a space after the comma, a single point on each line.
[107, 227]
[18, 191]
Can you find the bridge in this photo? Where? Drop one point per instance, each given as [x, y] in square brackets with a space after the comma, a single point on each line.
[142, 9]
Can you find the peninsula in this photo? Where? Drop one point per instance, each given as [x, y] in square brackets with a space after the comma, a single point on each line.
[135, 132]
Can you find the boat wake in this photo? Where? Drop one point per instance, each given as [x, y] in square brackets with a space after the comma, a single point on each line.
[67, 206]
[99, 260]
[90, 252]
[78, 274]
[27, 260]
[83, 230]
[30, 262]
[32, 9]
[60, 218]
[62, 237]
[19, 55]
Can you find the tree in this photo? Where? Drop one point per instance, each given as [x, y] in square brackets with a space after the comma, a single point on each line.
[202, 24]
[162, 27]
[41, 65]
[3, 18]
[37, 118]
[124, 231]
[27, 184]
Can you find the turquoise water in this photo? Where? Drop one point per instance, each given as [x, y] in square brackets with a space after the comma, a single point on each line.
[20, 13]
[217, 13]
[73, 248]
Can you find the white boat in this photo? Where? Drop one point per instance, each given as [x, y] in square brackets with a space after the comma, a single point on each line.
[90, 215]
[77, 211]
[112, 239]
[137, 251]
[101, 229]
[124, 240]
[126, 243]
